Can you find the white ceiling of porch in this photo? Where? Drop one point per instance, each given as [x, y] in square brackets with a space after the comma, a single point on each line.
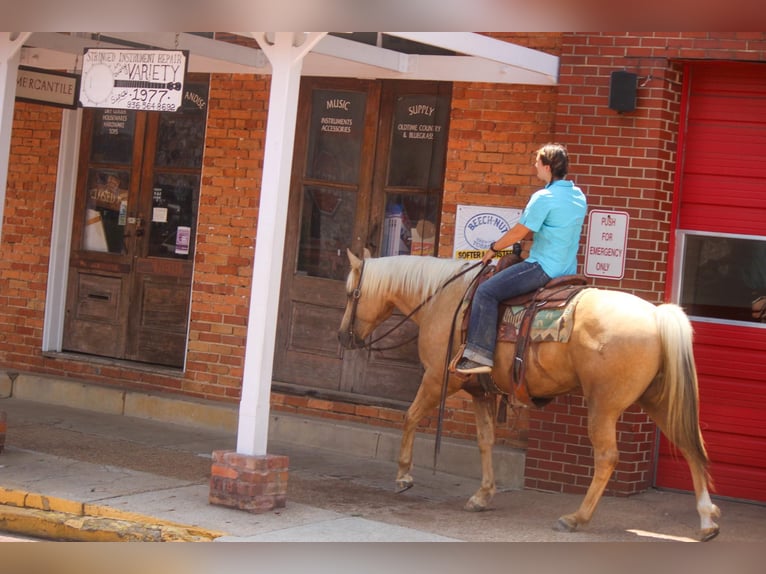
[475, 57]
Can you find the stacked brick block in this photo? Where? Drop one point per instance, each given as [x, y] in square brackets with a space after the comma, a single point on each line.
[252, 483]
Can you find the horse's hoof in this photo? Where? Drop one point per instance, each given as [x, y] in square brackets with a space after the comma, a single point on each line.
[565, 524]
[404, 483]
[474, 505]
[709, 533]
[403, 486]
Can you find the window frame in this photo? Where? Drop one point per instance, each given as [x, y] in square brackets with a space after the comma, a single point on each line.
[679, 265]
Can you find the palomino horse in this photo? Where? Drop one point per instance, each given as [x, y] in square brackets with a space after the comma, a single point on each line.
[622, 350]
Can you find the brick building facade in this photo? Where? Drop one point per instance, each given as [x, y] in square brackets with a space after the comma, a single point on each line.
[623, 162]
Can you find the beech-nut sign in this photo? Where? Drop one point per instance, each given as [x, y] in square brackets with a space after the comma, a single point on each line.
[606, 244]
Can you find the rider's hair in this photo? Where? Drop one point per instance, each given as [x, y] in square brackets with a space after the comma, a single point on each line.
[555, 155]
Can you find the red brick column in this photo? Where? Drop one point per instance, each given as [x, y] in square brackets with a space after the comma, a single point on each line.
[559, 455]
[253, 483]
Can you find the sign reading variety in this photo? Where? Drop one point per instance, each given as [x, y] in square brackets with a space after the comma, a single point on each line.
[149, 80]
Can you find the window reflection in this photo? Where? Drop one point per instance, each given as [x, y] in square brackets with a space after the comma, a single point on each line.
[409, 227]
[106, 211]
[722, 276]
[327, 228]
[172, 222]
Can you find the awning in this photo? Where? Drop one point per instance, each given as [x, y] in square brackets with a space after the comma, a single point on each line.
[462, 57]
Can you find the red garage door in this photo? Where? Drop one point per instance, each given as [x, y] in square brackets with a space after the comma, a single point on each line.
[720, 267]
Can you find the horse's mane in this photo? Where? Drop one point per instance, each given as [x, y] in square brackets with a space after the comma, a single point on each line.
[409, 274]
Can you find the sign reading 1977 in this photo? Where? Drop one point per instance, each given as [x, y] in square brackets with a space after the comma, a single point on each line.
[133, 79]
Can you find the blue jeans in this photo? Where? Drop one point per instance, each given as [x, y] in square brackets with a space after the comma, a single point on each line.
[482, 325]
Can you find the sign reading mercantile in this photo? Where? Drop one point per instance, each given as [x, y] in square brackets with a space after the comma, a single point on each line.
[41, 86]
[150, 80]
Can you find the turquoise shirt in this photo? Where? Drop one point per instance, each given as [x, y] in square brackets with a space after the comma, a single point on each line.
[556, 214]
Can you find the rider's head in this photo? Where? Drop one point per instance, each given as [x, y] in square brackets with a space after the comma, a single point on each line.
[554, 155]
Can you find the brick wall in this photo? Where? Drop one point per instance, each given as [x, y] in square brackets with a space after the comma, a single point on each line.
[624, 162]
[227, 221]
[25, 242]
[223, 266]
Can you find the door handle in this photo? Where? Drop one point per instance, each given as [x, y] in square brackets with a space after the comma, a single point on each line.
[139, 226]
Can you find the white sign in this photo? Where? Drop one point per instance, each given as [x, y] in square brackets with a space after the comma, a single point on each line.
[607, 241]
[133, 79]
[48, 87]
[476, 227]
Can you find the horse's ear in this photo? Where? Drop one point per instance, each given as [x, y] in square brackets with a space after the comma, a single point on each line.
[353, 259]
[367, 253]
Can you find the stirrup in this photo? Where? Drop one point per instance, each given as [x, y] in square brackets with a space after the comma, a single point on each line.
[452, 367]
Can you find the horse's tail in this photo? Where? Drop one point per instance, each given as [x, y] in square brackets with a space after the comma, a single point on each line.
[680, 386]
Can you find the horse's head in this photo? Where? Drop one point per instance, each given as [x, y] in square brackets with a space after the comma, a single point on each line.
[364, 310]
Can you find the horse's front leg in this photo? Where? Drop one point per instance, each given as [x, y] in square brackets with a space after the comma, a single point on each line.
[426, 399]
[485, 409]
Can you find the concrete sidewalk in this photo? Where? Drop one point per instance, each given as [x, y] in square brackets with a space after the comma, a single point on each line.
[76, 474]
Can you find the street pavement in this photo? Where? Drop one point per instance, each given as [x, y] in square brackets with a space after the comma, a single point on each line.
[76, 474]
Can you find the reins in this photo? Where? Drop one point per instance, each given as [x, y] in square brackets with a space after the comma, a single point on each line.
[445, 375]
[357, 293]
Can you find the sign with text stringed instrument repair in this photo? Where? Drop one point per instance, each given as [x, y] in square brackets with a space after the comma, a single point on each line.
[150, 80]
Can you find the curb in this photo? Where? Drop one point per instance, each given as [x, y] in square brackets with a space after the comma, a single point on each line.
[48, 517]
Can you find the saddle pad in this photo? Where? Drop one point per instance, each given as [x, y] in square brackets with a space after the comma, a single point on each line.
[549, 325]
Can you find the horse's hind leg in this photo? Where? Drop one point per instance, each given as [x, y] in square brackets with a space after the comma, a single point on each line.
[707, 511]
[484, 407]
[602, 430]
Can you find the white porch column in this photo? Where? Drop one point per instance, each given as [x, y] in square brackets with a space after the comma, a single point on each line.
[10, 46]
[286, 60]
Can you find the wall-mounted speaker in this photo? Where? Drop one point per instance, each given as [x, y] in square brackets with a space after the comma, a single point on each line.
[622, 91]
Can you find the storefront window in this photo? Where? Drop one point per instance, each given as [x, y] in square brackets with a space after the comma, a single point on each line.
[327, 228]
[409, 226]
[721, 275]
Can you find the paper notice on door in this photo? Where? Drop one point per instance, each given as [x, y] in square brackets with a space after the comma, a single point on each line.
[183, 237]
[160, 215]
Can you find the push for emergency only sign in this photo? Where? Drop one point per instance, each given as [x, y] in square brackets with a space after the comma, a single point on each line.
[606, 245]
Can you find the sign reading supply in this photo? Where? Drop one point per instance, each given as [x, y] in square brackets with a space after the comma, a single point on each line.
[607, 241]
[150, 80]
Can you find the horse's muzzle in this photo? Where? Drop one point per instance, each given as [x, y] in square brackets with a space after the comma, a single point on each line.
[350, 340]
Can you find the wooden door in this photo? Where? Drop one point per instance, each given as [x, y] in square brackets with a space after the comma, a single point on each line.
[368, 171]
[134, 229]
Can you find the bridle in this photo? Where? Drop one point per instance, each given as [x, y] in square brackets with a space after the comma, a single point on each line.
[356, 294]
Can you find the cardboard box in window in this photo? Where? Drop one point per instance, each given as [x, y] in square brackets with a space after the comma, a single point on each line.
[423, 238]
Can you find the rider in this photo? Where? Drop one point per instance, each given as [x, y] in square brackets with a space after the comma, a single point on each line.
[555, 215]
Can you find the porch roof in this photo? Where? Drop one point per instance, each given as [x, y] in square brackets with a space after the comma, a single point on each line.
[461, 56]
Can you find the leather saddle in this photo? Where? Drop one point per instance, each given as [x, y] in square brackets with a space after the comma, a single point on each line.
[518, 314]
